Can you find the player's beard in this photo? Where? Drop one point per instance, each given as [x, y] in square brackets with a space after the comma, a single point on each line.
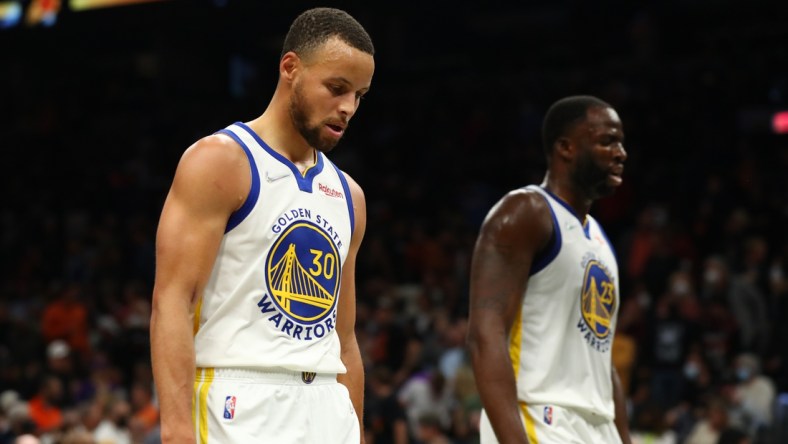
[590, 178]
[300, 116]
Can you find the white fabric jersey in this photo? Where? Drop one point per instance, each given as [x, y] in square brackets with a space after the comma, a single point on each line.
[560, 344]
[271, 300]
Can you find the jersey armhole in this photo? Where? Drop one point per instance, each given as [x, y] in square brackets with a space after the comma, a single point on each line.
[254, 191]
[544, 257]
[348, 198]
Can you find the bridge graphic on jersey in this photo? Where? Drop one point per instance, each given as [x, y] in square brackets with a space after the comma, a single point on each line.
[291, 282]
[595, 304]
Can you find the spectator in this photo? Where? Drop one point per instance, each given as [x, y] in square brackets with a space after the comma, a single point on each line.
[66, 317]
[734, 436]
[114, 428]
[142, 407]
[78, 436]
[426, 392]
[745, 300]
[384, 417]
[60, 363]
[430, 430]
[753, 395]
[650, 427]
[711, 424]
[467, 412]
[45, 406]
[625, 345]
[668, 344]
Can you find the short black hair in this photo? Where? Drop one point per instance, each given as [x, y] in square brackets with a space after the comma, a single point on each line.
[563, 115]
[315, 26]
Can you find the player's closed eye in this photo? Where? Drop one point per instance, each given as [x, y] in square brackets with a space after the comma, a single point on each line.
[336, 90]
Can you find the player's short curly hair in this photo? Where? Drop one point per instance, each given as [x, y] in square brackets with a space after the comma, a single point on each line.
[315, 26]
[563, 115]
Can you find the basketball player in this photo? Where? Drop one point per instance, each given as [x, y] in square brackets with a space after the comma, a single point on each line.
[544, 292]
[254, 301]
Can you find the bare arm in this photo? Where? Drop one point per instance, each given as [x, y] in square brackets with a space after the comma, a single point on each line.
[619, 399]
[209, 185]
[515, 230]
[346, 315]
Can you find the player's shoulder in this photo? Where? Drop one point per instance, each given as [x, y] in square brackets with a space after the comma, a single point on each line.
[214, 164]
[216, 145]
[521, 216]
[525, 201]
[216, 151]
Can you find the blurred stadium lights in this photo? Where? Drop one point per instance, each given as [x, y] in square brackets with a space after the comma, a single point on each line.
[79, 5]
[46, 12]
[780, 122]
[762, 120]
[10, 13]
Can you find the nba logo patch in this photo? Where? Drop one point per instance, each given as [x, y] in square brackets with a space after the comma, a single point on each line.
[548, 415]
[229, 407]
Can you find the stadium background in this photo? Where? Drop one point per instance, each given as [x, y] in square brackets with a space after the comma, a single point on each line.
[97, 105]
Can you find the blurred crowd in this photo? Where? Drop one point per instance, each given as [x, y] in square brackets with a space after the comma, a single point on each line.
[699, 226]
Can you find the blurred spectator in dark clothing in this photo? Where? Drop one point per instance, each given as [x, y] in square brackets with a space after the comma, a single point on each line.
[698, 382]
[384, 417]
[666, 349]
[143, 409]
[776, 362]
[718, 334]
[60, 363]
[390, 343]
[744, 300]
[734, 436]
[650, 427]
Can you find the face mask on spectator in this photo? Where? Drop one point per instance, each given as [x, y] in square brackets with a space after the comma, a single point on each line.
[680, 287]
[691, 370]
[712, 276]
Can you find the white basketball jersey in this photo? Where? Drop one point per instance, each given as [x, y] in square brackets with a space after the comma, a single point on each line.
[560, 344]
[271, 300]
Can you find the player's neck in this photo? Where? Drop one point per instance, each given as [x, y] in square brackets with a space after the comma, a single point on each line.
[276, 128]
[561, 186]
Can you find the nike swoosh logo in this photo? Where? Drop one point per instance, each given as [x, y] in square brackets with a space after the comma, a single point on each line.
[274, 178]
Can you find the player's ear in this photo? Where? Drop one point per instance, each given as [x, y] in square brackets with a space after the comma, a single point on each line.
[564, 148]
[289, 65]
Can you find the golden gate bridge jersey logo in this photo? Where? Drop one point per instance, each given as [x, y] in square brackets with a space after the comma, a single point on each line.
[303, 271]
[597, 305]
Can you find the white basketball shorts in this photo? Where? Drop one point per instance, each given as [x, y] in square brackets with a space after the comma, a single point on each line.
[249, 406]
[547, 424]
